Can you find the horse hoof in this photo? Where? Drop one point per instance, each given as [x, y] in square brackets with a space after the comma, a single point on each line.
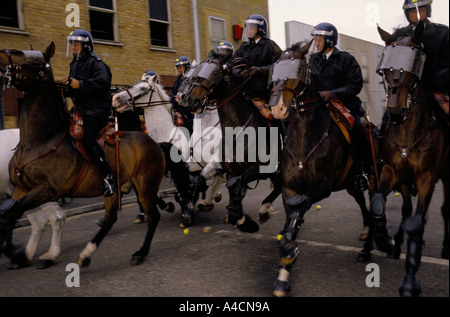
[170, 207]
[226, 219]
[186, 222]
[364, 234]
[137, 260]
[394, 253]
[280, 288]
[218, 197]
[45, 263]
[200, 207]
[410, 287]
[209, 207]
[19, 258]
[84, 262]
[249, 225]
[364, 257]
[444, 253]
[263, 217]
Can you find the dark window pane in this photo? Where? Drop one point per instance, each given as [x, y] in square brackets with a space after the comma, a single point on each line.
[105, 4]
[158, 9]
[102, 25]
[158, 33]
[8, 14]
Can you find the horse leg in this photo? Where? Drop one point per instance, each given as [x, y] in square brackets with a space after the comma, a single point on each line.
[414, 227]
[236, 216]
[111, 206]
[213, 195]
[394, 253]
[378, 208]
[445, 214]
[57, 219]
[266, 205]
[295, 207]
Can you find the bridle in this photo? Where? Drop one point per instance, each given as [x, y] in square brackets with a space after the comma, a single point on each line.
[34, 61]
[132, 104]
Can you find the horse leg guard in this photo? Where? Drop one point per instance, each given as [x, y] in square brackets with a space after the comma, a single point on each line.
[236, 215]
[414, 227]
[187, 213]
[380, 233]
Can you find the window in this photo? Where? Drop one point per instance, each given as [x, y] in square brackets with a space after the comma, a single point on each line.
[365, 67]
[159, 22]
[11, 14]
[102, 15]
[217, 31]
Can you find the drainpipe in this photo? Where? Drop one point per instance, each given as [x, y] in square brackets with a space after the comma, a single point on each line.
[196, 36]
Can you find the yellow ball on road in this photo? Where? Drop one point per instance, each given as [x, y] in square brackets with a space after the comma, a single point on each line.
[318, 207]
[397, 194]
[186, 231]
[279, 237]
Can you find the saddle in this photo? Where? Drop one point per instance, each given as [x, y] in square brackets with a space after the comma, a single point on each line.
[342, 116]
[76, 130]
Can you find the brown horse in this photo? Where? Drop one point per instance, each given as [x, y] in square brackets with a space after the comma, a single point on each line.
[46, 165]
[317, 158]
[414, 151]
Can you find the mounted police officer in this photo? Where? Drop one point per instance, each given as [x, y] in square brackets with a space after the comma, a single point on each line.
[435, 43]
[90, 81]
[254, 58]
[182, 115]
[337, 75]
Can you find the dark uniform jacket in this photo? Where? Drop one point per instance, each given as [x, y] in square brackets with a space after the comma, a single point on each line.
[340, 74]
[188, 117]
[93, 96]
[262, 54]
[436, 47]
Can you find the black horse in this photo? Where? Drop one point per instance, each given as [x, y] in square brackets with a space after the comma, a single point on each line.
[317, 158]
[212, 85]
[414, 151]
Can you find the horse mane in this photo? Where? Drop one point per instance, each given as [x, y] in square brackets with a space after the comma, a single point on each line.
[161, 91]
[401, 32]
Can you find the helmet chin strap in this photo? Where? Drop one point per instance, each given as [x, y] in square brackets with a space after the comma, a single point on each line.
[418, 13]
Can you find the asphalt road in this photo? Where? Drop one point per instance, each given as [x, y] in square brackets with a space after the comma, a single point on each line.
[226, 263]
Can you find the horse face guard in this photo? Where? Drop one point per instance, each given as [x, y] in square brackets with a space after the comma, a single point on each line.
[206, 76]
[289, 75]
[32, 67]
[401, 67]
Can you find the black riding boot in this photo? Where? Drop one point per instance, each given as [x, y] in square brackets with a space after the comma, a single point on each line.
[100, 161]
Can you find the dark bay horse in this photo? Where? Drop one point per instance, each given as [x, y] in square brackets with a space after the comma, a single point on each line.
[414, 151]
[316, 159]
[213, 85]
[46, 165]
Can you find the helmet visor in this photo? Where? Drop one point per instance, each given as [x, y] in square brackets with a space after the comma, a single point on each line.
[416, 4]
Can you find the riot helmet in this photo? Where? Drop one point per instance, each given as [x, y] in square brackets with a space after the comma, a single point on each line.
[329, 33]
[416, 4]
[183, 61]
[224, 47]
[82, 36]
[257, 22]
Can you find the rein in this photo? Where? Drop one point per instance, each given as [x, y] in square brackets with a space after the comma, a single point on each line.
[149, 103]
[229, 97]
[19, 170]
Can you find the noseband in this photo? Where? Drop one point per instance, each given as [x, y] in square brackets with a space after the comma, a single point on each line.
[35, 61]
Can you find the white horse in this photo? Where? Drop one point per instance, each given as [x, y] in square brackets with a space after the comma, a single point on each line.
[48, 213]
[151, 96]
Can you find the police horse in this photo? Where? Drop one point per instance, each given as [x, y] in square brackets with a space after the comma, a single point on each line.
[212, 86]
[150, 95]
[415, 152]
[47, 165]
[48, 213]
[317, 158]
